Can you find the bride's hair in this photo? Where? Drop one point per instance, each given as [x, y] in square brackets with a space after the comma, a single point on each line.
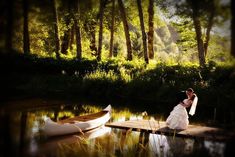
[181, 96]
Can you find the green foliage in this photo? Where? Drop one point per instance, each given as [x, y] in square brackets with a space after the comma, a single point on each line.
[187, 35]
[101, 76]
[174, 42]
[115, 79]
[219, 49]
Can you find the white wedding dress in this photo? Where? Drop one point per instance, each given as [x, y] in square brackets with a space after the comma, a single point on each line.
[178, 118]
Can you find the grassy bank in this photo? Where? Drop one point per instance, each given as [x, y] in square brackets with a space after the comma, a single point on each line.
[150, 87]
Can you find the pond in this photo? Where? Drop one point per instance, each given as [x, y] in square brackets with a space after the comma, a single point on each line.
[21, 123]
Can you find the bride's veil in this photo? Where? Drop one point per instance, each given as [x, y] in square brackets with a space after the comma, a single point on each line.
[193, 106]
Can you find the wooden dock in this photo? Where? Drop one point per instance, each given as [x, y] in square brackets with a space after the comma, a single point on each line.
[193, 131]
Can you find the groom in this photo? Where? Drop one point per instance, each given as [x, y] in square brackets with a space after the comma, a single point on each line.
[190, 93]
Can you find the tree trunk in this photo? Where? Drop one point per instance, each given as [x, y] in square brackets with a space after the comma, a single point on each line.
[65, 41]
[112, 30]
[126, 29]
[146, 58]
[101, 13]
[67, 33]
[233, 28]
[78, 40]
[197, 26]
[56, 29]
[89, 27]
[77, 31]
[200, 47]
[93, 39]
[208, 29]
[26, 43]
[9, 25]
[72, 34]
[151, 29]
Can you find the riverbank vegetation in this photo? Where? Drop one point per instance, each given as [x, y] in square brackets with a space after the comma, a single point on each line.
[137, 53]
[151, 87]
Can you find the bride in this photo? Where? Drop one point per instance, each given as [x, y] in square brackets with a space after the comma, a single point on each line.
[178, 118]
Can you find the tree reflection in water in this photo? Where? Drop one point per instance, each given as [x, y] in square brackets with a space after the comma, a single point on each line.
[21, 137]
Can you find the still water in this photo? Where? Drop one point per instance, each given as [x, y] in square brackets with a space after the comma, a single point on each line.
[21, 123]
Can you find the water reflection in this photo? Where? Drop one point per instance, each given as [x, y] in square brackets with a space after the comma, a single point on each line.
[159, 145]
[215, 148]
[54, 143]
[21, 136]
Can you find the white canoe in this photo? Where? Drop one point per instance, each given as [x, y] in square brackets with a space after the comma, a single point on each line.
[77, 124]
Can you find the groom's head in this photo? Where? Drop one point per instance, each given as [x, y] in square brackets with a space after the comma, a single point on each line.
[190, 92]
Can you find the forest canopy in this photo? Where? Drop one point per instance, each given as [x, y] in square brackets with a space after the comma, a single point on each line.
[181, 31]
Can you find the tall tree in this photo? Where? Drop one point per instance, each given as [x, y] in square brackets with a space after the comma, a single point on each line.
[126, 29]
[67, 33]
[78, 40]
[26, 42]
[112, 30]
[216, 12]
[72, 30]
[77, 29]
[72, 33]
[233, 28]
[56, 29]
[146, 58]
[205, 15]
[90, 27]
[9, 24]
[151, 29]
[197, 25]
[210, 23]
[90, 22]
[101, 15]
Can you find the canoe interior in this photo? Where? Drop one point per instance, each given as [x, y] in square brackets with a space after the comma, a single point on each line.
[84, 118]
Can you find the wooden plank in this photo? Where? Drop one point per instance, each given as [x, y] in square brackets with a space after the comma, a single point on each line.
[157, 127]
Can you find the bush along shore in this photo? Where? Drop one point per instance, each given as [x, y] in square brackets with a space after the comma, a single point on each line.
[150, 87]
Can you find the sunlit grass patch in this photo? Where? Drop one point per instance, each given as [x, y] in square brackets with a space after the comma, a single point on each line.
[101, 75]
[91, 108]
[121, 115]
[65, 114]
